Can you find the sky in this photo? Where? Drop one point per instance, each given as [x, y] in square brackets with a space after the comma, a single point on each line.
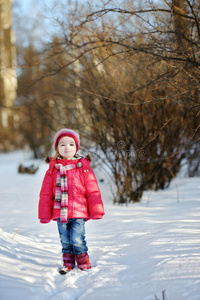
[35, 20]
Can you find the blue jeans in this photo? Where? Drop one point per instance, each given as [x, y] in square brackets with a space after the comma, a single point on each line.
[72, 236]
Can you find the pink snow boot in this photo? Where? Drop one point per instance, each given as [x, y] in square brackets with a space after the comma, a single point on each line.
[83, 261]
[68, 263]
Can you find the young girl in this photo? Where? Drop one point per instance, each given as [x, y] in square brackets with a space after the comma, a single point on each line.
[70, 195]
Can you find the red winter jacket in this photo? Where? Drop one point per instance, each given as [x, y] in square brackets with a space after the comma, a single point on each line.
[84, 198]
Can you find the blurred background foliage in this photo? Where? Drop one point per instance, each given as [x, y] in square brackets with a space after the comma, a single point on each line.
[126, 76]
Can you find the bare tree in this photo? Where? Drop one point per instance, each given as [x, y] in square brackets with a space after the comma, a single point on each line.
[137, 74]
[144, 140]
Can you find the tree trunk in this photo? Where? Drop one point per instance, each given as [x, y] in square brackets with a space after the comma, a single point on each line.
[181, 25]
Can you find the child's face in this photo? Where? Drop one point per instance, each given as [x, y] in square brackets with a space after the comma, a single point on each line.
[67, 147]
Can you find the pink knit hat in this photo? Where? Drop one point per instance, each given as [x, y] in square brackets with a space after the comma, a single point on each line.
[67, 132]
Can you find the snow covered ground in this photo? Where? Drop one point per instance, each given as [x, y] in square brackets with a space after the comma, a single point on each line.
[137, 252]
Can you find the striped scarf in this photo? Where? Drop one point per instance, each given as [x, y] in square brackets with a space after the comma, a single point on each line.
[61, 194]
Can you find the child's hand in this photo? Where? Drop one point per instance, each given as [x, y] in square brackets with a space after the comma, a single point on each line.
[45, 220]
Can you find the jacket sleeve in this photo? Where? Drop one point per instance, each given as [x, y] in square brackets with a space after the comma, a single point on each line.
[46, 197]
[93, 195]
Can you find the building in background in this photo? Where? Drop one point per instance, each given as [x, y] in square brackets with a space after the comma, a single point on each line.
[8, 77]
